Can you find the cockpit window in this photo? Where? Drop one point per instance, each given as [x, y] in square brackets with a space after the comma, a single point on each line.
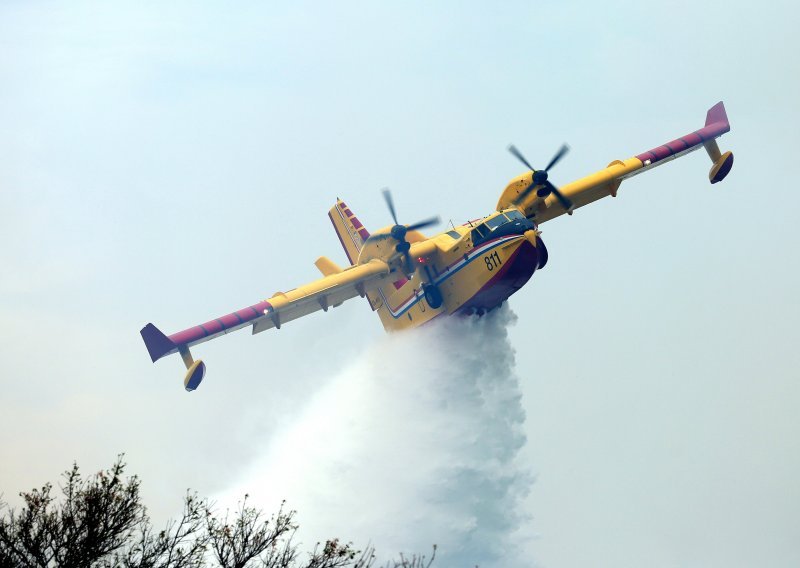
[481, 231]
[495, 222]
[455, 234]
[514, 215]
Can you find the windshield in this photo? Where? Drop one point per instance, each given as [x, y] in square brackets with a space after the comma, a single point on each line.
[495, 222]
[481, 231]
[514, 215]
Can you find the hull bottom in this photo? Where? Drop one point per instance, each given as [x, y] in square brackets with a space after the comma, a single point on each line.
[512, 276]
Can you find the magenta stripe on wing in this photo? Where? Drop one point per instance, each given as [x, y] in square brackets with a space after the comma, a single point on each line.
[716, 125]
[212, 327]
[677, 145]
[220, 325]
[230, 320]
[188, 335]
[692, 139]
[246, 314]
[661, 152]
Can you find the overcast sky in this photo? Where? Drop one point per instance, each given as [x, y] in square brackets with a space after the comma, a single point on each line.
[172, 162]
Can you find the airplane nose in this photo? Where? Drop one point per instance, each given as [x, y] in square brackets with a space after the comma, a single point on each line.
[531, 236]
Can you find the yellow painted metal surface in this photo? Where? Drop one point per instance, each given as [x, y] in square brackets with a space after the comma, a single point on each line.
[327, 266]
[455, 266]
[461, 268]
[581, 192]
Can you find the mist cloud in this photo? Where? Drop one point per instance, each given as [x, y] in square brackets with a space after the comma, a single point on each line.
[415, 443]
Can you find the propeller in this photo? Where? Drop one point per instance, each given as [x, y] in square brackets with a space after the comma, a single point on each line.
[540, 180]
[398, 232]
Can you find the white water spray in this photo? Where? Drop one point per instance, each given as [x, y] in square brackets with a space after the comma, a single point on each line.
[415, 444]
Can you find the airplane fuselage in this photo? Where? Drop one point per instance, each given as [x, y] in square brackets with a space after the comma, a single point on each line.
[472, 268]
[410, 279]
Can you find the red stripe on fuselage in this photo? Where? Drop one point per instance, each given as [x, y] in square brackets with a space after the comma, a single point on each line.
[488, 245]
[512, 276]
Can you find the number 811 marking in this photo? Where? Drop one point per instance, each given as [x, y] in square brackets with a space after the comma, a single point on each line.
[492, 261]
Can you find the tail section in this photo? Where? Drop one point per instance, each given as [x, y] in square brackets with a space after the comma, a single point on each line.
[398, 302]
[717, 117]
[351, 232]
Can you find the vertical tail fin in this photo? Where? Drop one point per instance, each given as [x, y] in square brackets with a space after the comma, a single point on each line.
[351, 232]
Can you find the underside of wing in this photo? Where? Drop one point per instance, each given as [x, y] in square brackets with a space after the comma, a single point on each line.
[327, 292]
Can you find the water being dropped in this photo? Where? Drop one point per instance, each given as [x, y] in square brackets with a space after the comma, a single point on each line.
[415, 443]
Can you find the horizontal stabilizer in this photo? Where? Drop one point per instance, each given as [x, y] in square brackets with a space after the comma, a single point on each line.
[327, 266]
[156, 342]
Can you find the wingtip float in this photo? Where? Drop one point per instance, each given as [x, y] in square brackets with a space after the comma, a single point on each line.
[410, 279]
[716, 125]
[159, 345]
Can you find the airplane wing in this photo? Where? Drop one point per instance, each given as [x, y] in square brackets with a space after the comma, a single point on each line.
[606, 182]
[331, 290]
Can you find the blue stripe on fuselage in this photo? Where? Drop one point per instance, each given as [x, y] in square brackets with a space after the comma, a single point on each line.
[408, 304]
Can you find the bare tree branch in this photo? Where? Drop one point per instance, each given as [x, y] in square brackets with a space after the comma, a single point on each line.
[248, 539]
[100, 522]
[181, 544]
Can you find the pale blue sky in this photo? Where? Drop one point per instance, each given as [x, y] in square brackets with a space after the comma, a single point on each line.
[169, 163]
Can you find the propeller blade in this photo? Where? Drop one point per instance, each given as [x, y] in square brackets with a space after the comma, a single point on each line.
[398, 234]
[387, 195]
[518, 155]
[565, 203]
[545, 187]
[380, 237]
[423, 224]
[524, 193]
[557, 158]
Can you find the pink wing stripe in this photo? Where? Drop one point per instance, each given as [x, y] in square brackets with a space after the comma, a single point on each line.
[220, 325]
[716, 125]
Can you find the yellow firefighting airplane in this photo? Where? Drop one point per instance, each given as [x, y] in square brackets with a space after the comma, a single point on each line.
[410, 279]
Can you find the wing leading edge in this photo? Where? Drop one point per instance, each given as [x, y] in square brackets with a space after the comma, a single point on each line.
[282, 307]
[607, 181]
